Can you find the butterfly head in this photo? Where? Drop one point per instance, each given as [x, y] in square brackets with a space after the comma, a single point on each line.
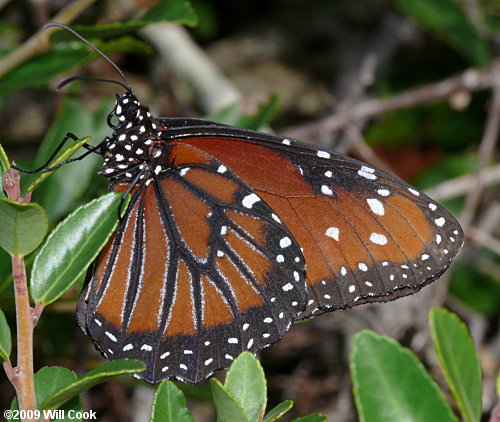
[128, 111]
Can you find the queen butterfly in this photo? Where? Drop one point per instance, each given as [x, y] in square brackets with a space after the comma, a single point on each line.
[231, 235]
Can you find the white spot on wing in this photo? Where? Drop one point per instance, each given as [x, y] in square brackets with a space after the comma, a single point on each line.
[333, 232]
[376, 206]
[439, 221]
[249, 200]
[285, 242]
[110, 336]
[323, 154]
[326, 190]
[367, 173]
[362, 266]
[378, 239]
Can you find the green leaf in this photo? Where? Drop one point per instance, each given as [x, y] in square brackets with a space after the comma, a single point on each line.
[477, 289]
[23, 227]
[169, 405]
[278, 411]
[227, 407]
[4, 160]
[448, 21]
[5, 339]
[315, 417]
[44, 67]
[171, 11]
[246, 382]
[95, 376]
[72, 246]
[65, 155]
[457, 354]
[390, 384]
[48, 381]
[232, 115]
[4, 166]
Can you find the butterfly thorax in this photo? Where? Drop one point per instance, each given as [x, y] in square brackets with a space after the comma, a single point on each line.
[133, 148]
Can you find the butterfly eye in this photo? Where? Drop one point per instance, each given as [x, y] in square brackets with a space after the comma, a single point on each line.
[130, 111]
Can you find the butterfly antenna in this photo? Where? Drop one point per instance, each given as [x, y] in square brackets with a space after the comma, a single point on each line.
[86, 78]
[93, 47]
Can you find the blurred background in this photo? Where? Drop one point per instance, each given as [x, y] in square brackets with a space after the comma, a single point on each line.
[409, 86]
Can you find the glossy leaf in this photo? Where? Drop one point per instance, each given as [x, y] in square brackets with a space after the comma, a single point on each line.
[4, 166]
[48, 381]
[171, 11]
[178, 11]
[23, 227]
[476, 288]
[278, 411]
[72, 246]
[246, 382]
[448, 21]
[390, 384]
[227, 407]
[95, 376]
[40, 69]
[457, 354]
[169, 405]
[5, 338]
[232, 115]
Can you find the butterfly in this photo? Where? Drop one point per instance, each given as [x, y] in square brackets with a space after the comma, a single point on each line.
[232, 235]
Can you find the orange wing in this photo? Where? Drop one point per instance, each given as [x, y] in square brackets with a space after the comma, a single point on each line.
[365, 235]
[200, 269]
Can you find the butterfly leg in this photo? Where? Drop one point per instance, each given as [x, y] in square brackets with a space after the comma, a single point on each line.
[45, 168]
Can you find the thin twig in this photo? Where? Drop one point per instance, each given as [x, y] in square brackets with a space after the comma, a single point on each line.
[484, 239]
[36, 312]
[9, 371]
[486, 149]
[470, 80]
[39, 42]
[188, 61]
[25, 387]
[23, 373]
[463, 184]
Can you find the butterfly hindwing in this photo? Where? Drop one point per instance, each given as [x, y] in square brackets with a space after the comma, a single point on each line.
[200, 269]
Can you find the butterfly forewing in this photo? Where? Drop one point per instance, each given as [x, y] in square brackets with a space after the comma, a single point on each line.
[366, 236]
[200, 269]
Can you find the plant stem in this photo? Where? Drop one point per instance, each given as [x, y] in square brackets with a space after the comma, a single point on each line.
[23, 377]
[25, 385]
